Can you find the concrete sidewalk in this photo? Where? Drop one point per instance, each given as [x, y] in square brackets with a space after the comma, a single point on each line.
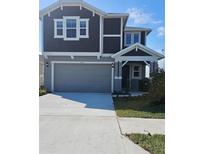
[142, 125]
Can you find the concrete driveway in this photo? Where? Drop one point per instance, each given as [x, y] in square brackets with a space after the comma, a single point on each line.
[81, 123]
[84, 104]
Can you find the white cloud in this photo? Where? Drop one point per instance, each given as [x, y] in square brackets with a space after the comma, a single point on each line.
[140, 17]
[160, 31]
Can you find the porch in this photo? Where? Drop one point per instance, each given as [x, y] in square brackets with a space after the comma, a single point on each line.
[132, 65]
[132, 74]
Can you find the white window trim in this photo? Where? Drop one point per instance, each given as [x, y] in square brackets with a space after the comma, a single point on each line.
[101, 35]
[65, 28]
[78, 36]
[80, 62]
[87, 28]
[132, 38]
[126, 39]
[55, 28]
[121, 34]
[140, 71]
[139, 37]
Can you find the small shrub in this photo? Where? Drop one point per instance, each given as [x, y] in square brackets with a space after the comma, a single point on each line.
[157, 88]
[144, 85]
[42, 91]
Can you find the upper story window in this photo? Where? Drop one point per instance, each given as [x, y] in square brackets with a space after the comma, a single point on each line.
[128, 39]
[58, 28]
[131, 38]
[71, 28]
[136, 37]
[84, 28]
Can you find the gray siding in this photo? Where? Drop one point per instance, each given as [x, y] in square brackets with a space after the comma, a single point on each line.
[62, 79]
[47, 70]
[111, 44]
[90, 44]
[143, 37]
[117, 85]
[135, 85]
[135, 82]
[153, 67]
[118, 69]
[112, 25]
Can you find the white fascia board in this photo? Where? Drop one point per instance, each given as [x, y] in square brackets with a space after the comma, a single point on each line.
[140, 46]
[150, 51]
[138, 30]
[76, 54]
[117, 15]
[136, 58]
[81, 4]
[71, 53]
[96, 10]
[79, 62]
[50, 8]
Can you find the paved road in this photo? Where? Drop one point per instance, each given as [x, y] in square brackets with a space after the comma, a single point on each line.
[81, 123]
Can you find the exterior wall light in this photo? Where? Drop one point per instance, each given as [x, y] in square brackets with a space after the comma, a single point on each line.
[47, 64]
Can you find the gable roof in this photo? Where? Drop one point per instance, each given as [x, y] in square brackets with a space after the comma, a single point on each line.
[60, 3]
[141, 47]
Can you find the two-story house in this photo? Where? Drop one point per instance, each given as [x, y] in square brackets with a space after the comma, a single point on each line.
[89, 50]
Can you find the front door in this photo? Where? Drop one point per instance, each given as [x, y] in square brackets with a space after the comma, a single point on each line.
[126, 78]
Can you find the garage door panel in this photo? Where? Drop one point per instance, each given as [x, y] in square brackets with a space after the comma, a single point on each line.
[82, 77]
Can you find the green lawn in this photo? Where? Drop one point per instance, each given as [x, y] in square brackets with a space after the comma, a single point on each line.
[140, 107]
[155, 144]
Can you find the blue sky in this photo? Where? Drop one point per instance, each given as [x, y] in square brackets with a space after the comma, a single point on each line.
[143, 13]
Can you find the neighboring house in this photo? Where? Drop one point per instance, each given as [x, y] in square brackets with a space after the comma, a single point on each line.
[41, 70]
[88, 50]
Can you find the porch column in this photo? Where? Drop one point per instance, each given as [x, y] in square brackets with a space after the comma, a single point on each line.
[118, 76]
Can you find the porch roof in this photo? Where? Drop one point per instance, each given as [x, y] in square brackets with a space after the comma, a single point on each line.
[154, 54]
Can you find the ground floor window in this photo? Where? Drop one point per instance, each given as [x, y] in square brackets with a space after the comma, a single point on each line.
[136, 71]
